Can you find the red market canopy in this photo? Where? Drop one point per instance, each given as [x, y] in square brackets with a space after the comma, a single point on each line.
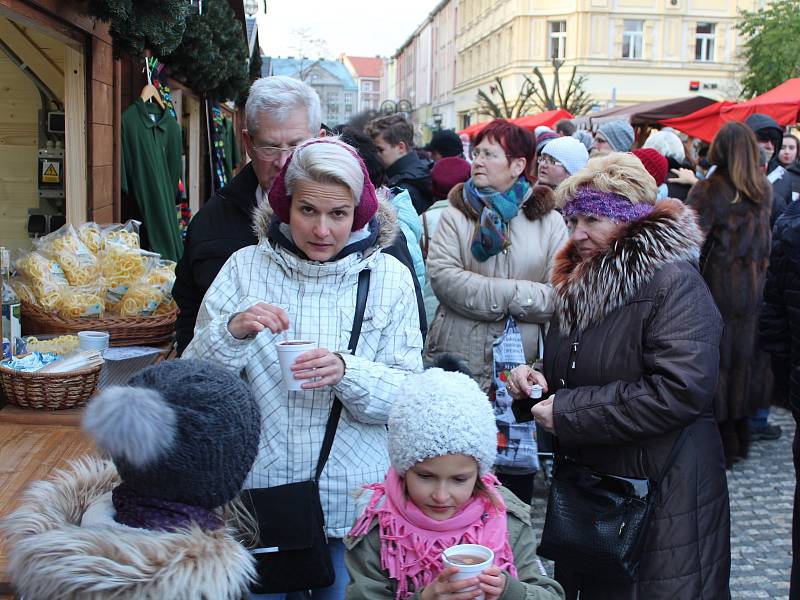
[703, 123]
[782, 103]
[530, 122]
[548, 119]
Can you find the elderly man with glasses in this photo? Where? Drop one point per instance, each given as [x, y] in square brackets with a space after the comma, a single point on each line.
[281, 112]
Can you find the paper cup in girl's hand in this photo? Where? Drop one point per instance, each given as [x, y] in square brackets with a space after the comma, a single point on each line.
[471, 560]
[288, 351]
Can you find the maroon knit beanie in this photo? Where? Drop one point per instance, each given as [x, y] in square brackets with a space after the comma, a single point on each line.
[446, 174]
[654, 163]
[280, 201]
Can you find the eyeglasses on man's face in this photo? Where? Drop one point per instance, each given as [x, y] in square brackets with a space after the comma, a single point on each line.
[488, 155]
[272, 152]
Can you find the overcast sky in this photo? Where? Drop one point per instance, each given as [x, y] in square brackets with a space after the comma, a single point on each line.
[355, 27]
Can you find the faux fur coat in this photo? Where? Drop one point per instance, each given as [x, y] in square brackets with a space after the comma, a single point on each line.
[52, 556]
[476, 298]
[734, 264]
[632, 356]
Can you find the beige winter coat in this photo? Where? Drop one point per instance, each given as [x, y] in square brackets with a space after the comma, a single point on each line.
[476, 298]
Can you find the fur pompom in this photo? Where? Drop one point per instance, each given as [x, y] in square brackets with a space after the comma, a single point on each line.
[130, 423]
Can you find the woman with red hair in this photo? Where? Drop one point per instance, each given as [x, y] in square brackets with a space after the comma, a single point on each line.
[491, 255]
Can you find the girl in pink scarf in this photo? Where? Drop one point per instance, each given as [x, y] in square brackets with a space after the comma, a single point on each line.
[439, 493]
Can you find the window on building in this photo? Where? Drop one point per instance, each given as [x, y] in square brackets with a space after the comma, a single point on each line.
[632, 34]
[366, 86]
[348, 102]
[704, 42]
[558, 39]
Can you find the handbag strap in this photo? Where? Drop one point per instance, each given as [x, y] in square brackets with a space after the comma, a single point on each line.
[336, 409]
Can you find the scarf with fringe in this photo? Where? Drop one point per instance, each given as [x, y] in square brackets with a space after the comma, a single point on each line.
[412, 543]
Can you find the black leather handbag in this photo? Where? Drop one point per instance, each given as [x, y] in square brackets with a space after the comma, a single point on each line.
[293, 553]
[596, 523]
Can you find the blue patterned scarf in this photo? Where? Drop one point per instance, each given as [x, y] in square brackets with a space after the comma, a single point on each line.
[493, 210]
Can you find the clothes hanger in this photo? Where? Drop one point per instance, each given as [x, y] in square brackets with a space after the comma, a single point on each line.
[149, 92]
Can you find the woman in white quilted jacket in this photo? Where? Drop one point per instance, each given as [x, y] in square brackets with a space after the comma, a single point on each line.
[322, 225]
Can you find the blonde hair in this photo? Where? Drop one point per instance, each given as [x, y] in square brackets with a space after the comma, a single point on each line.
[615, 173]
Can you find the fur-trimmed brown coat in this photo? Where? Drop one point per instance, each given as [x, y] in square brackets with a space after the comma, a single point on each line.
[734, 264]
[645, 368]
[476, 298]
[53, 556]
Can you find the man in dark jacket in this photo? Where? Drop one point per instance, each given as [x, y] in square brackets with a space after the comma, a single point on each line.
[784, 181]
[394, 137]
[281, 112]
[779, 334]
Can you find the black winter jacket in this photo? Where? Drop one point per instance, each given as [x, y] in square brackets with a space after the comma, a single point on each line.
[779, 320]
[223, 226]
[412, 173]
[645, 368]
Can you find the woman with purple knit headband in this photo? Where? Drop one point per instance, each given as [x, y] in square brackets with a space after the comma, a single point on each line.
[631, 362]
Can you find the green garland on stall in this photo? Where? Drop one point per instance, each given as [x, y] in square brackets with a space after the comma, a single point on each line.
[138, 24]
[212, 57]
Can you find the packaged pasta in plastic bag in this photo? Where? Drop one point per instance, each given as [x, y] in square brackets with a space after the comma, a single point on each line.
[141, 300]
[82, 301]
[36, 267]
[127, 234]
[122, 265]
[65, 247]
[163, 275]
[92, 236]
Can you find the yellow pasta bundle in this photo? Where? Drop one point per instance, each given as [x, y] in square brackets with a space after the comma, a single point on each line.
[166, 307]
[79, 264]
[81, 301]
[121, 235]
[120, 265]
[36, 267]
[62, 344]
[92, 236]
[163, 277]
[141, 299]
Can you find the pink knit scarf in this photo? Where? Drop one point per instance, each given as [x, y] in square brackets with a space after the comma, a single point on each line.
[412, 543]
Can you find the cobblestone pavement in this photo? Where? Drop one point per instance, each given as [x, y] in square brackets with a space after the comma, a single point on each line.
[761, 491]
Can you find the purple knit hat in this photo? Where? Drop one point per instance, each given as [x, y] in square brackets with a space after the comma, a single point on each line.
[280, 201]
[589, 201]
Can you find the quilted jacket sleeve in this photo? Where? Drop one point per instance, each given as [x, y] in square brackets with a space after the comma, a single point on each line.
[680, 364]
[473, 295]
[532, 301]
[369, 385]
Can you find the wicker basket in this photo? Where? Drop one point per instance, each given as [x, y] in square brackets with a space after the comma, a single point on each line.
[52, 391]
[124, 331]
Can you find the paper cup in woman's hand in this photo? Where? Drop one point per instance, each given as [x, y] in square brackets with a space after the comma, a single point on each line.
[288, 351]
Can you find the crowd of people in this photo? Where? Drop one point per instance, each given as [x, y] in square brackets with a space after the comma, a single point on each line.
[627, 282]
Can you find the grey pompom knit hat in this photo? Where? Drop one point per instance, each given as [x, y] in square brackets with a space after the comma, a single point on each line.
[182, 430]
[438, 413]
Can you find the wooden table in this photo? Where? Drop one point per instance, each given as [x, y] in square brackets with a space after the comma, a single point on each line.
[32, 444]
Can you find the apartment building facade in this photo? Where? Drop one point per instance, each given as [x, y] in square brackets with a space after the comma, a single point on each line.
[629, 50]
[367, 71]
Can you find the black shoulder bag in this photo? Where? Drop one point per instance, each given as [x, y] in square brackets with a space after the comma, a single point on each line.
[596, 524]
[293, 553]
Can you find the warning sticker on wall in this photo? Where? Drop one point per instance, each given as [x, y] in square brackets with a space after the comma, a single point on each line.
[51, 171]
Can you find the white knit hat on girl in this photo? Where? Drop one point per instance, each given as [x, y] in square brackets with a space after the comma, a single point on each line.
[569, 152]
[438, 413]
